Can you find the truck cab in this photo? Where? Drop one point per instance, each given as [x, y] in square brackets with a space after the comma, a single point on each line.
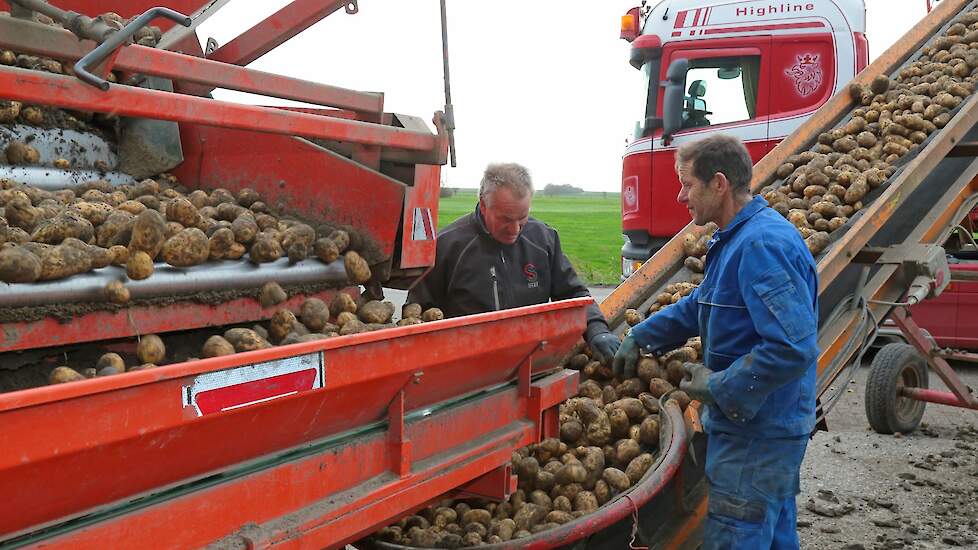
[752, 69]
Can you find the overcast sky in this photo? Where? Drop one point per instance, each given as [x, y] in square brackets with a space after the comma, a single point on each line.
[546, 84]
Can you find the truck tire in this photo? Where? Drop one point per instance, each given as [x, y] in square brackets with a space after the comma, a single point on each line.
[895, 366]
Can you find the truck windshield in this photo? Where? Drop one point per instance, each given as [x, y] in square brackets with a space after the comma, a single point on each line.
[650, 81]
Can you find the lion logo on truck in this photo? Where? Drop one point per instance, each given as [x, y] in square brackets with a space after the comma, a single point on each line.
[807, 74]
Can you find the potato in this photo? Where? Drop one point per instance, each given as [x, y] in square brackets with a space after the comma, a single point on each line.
[353, 327]
[62, 226]
[60, 375]
[477, 515]
[649, 431]
[638, 466]
[182, 211]
[341, 239]
[187, 248]
[64, 261]
[18, 152]
[681, 398]
[357, 270]
[325, 249]
[298, 233]
[528, 516]
[541, 499]
[150, 349]
[20, 213]
[139, 266]
[281, 324]
[314, 314]
[658, 386]
[9, 110]
[17, 265]
[695, 265]
[619, 423]
[432, 314]
[248, 196]
[111, 360]
[271, 294]
[571, 473]
[216, 346]
[117, 293]
[376, 312]
[571, 431]
[223, 246]
[586, 502]
[598, 431]
[148, 230]
[228, 211]
[626, 450]
[817, 242]
[245, 339]
[345, 317]
[266, 248]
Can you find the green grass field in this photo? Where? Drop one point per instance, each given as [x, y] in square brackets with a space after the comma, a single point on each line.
[589, 226]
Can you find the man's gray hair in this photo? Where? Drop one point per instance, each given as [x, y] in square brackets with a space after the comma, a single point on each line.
[509, 174]
[719, 153]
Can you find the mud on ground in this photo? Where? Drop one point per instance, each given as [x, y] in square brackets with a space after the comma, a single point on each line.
[863, 490]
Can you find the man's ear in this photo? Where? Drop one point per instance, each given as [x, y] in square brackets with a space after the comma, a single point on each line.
[721, 182]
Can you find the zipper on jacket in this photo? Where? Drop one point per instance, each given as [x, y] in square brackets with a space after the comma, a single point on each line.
[495, 286]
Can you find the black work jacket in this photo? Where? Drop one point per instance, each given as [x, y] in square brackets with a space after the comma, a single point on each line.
[475, 273]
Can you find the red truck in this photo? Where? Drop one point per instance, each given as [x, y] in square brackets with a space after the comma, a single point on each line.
[753, 69]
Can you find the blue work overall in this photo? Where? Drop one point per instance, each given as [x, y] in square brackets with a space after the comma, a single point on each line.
[757, 313]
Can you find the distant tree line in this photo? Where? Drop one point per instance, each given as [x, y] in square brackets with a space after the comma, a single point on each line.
[562, 189]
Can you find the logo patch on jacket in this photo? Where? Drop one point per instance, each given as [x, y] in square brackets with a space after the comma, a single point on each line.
[530, 272]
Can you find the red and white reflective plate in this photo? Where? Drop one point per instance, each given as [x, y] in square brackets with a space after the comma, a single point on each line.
[231, 389]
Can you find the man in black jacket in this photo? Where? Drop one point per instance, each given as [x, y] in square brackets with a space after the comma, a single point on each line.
[498, 258]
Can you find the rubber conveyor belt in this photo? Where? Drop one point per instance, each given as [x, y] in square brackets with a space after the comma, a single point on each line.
[173, 281]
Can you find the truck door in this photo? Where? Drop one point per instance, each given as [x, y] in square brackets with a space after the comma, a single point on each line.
[727, 90]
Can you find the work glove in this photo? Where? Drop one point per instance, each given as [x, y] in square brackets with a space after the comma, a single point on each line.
[696, 383]
[605, 345]
[626, 359]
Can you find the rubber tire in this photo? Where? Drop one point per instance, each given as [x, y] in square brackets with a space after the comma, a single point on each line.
[895, 365]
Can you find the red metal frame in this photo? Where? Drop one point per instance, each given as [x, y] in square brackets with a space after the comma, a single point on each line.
[292, 465]
[960, 394]
[276, 29]
[137, 320]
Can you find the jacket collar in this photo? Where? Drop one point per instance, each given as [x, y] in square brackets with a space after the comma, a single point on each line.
[480, 224]
[747, 212]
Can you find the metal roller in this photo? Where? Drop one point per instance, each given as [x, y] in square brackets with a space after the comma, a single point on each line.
[174, 281]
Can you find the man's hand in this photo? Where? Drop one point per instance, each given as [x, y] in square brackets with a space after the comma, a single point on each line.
[626, 359]
[605, 345]
[695, 384]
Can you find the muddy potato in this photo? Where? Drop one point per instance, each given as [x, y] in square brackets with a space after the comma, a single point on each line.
[658, 387]
[134, 207]
[222, 245]
[187, 248]
[151, 349]
[649, 431]
[228, 211]
[117, 293]
[139, 266]
[630, 388]
[281, 324]
[616, 479]
[632, 317]
[357, 270]
[638, 466]
[18, 152]
[9, 110]
[528, 516]
[375, 311]
[571, 431]
[355, 326]
[856, 192]
[271, 294]
[345, 317]
[681, 398]
[341, 238]
[244, 339]
[625, 451]
[148, 230]
[21, 214]
[216, 346]
[432, 314]
[314, 314]
[574, 472]
[17, 265]
[183, 212]
[110, 360]
[326, 250]
[619, 423]
[266, 248]
[61, 375]
[298, 233]
[115, 230]
[64, 261]
[248, 196]
[586, 502]
[817, 242]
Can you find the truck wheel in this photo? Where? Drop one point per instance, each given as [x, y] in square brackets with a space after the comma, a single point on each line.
[895, 366]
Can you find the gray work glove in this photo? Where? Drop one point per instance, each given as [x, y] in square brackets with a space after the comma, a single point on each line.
[695, 384]
[626, 359]
[605, 345]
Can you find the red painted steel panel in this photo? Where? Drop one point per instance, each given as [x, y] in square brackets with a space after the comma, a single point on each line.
[295, 176]
[135, 320]
[420, 221]
[140, 418]
[68, 92]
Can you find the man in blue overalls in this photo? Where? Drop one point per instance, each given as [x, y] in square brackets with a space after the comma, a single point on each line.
[756, 311]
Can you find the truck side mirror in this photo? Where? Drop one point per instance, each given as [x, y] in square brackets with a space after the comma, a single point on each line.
[672, 101]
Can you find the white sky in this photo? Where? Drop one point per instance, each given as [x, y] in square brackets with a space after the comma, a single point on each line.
[546, 84]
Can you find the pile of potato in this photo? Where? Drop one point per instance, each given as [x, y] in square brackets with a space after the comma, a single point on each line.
[315, 321]
[820, 189]
[47, 235]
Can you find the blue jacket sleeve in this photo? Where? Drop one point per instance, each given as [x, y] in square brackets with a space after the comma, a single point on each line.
[670, 327]
[779, 288]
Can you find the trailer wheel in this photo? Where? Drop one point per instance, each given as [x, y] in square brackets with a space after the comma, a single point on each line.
[895, 366]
